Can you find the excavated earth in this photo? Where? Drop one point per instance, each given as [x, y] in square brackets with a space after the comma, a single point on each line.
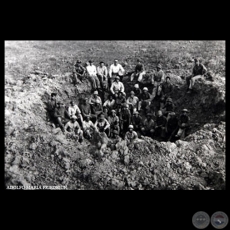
[36, 154]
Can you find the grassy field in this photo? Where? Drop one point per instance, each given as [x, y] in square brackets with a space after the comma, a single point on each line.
[52, 56]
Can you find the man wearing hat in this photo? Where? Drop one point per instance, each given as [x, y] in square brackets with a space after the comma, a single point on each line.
[79, 71]
[61, 115]
[109, 103]
[157, 80]
[198, 71]
[117, 85]
[136, 121]
[96, 110]
[115, 69]
[147, 128]
[92, 72]
[102, 125]
[88, 127]
[139, 72]
[125, 118]
[130, 136]
[137, 91]
[73, 130]
[168, 107]
[172, 126]
[183, 123]
[144, 100]
[132, 101]
[113, 120]
[85, 107]
[102, 74]
[51, 105]
[120, 100]
[95, 98]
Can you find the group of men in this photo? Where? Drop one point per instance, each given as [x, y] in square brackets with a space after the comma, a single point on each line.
[121, 116]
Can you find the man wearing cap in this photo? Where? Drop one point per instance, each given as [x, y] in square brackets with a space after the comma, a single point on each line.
[61, 115]
[147, 128]
[183, 123]
[168, 107]
[130, 136]
[117, 85]
[136, 121]
[102, 125]
[88, 127]
[92, 72]
[85, 108]
[79, 71]
[132, 101]
[120, 100]
[137, 91]
[161, 122]
[125, 118]
[74, 110]
[139, 72]
[172, 126]
[113, 120]
[144, 99]
[51, 105]
[102, 74]
[73, 130]
[115, 69]
[95, 98]
[198, 71]
[157, 80]
[109, 103]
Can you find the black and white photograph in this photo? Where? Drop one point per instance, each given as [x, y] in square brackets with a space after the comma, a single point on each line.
[115, 115]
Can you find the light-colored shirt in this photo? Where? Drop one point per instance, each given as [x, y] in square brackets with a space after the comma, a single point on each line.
[74, 110]
[130, 136]
[72, 126]
[102, 71]
[88, 125]
[103, 123]
[116, 69]
[133, 101]
[109, 103]
[93, 100]
[117, 86]
[91, 69]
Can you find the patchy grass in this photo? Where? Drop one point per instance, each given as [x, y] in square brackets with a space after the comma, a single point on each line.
[53, 56]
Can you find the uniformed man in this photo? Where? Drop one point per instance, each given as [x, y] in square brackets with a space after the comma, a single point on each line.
[115, 70]
[73, 129]
[102, 125]
[183, 123]
[172, 126]
[136, 121]
[102, 74]
[74, 110]
[168, 107]
[198, 71]
[88, 127]
[160, 128]
[147, 128]
[113, 120]
[139, 72]
[51, 105]
[137, 91]
[144, 100]
[125, 118]
[132, 101]
[130, 136]
[92, 73]
[117, 86]
[166, 88]
[157, 80]
[79, 71]
[109, 103]
[61, 115]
